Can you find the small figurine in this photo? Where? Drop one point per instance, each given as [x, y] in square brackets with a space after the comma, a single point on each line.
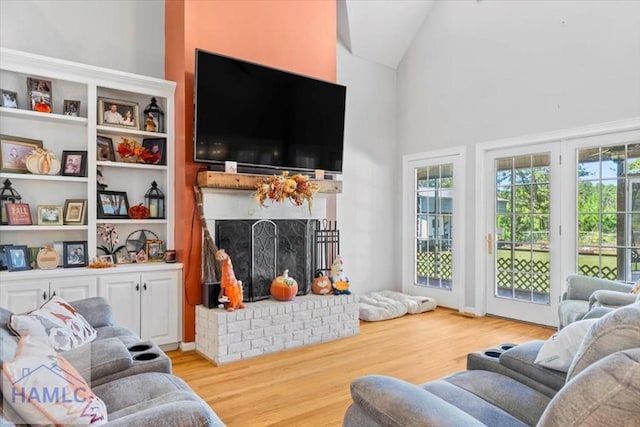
[339, 280]
[230, 287]
[321, 284]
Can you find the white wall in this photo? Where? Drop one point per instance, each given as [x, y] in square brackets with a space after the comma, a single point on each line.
[482, 71]
[125, 35]
[367, 208]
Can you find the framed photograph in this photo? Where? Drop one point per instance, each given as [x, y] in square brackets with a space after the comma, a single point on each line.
[105, 149]
[14, 151]
[40, 94]
[154, 154]
[4, 260]
[123, 257]
[17, 258]
[9, 98]
[71, 108]
[18, 213]
[113, 112]
[112, 204]
[75, 212]
[50, 215]
[74, 254]
[74, 163]
[153, 249]
[106, 259]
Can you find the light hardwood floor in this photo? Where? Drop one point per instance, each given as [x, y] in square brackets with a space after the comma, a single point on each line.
[309, 386]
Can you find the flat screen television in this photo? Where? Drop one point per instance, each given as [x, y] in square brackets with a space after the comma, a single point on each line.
[264, 118]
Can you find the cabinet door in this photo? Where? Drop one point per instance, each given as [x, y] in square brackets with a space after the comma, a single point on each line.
[160, 299]
[73, 289]
[122, 291]
[24, 295]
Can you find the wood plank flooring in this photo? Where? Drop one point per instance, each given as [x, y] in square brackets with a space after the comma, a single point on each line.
[309, 386]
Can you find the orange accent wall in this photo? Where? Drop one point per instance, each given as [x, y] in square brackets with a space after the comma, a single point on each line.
[298, 36]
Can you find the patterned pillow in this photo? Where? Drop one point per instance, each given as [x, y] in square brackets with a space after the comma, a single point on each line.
[57, 320]
[43, 388]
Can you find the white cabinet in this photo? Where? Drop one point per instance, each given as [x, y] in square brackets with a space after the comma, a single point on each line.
[21, 296]
[145, 302]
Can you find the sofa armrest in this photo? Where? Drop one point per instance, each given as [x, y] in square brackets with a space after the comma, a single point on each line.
[393, 402]
[99, 358]
[605, 298]
[581, 287]
[96, 310]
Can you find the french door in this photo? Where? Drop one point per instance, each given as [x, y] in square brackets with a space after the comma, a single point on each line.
[434, 228]
[523, 232]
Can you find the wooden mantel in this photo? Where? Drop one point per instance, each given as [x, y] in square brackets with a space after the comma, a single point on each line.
[246, 181]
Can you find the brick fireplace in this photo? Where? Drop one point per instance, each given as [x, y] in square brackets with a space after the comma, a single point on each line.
[262, 242]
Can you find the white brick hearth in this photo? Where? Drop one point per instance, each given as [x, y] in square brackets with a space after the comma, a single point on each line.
[270, 326]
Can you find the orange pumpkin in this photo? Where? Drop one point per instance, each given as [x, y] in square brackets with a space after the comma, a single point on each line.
[284, 288]
[138, 212]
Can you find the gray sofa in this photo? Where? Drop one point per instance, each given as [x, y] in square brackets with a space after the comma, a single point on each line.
[132, 377]
[590, 297]
[601, 388]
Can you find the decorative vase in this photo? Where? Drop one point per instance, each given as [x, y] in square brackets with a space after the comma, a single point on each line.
[284, 288]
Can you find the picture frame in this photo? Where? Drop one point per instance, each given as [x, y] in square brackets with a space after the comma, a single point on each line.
[14, 151]
[4, 261]
[17, 258]
[74, 254]
[114, 112]
[8, 98]
[75, 212]
[105, 151]
[106, 259]
[74, 163]
[71, 107]
[18, 214]
[112, 204]
[155, 151]
[153, 249]
[50, 215]
[40, 94]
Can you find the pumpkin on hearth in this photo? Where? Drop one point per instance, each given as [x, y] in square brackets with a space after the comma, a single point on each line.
[284, 288]
[321, 284]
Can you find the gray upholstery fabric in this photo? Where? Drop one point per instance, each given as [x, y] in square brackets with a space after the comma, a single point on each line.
[521, 359]
[616, 331]
[605, 298]
[392, 402]
[151, 398]
[96, 310]
[604, 394]
[570, 311]
[99, 359]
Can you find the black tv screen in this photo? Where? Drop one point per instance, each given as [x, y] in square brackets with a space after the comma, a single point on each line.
[264, 118]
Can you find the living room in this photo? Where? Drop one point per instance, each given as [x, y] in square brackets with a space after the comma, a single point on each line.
[475, 73]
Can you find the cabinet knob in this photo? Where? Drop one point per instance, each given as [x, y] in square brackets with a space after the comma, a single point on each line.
[53, 294]
[44, 296]
[144, 287]
[137, 287]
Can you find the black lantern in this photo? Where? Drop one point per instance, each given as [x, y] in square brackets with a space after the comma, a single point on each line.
[7, 195]
[154, 200]
[153, 117]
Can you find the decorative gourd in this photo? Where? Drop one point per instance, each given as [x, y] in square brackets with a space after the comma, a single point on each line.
[42, 162]
[284, 288]
[321, 284]
[138, 212]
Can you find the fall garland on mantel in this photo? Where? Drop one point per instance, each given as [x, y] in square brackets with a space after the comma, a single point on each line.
[296, 188]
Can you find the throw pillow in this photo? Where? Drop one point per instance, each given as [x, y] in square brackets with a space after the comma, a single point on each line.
[57, 320]
[43, 388]
[559, 350]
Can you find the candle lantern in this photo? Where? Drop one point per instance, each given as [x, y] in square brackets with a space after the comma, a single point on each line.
[153, 117]
[154, 200]
[7, 195]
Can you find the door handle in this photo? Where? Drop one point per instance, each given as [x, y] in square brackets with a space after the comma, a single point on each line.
[489, 240]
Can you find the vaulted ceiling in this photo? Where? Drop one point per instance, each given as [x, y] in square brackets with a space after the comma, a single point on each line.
[381, 30]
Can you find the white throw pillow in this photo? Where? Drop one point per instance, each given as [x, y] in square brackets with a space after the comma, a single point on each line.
[64, 327]
[559, 350]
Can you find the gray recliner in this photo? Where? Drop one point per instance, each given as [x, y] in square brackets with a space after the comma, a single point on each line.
[590, 297]
[602, 388]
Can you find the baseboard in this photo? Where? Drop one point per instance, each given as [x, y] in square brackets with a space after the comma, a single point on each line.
[468, 312]
[187, 346]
